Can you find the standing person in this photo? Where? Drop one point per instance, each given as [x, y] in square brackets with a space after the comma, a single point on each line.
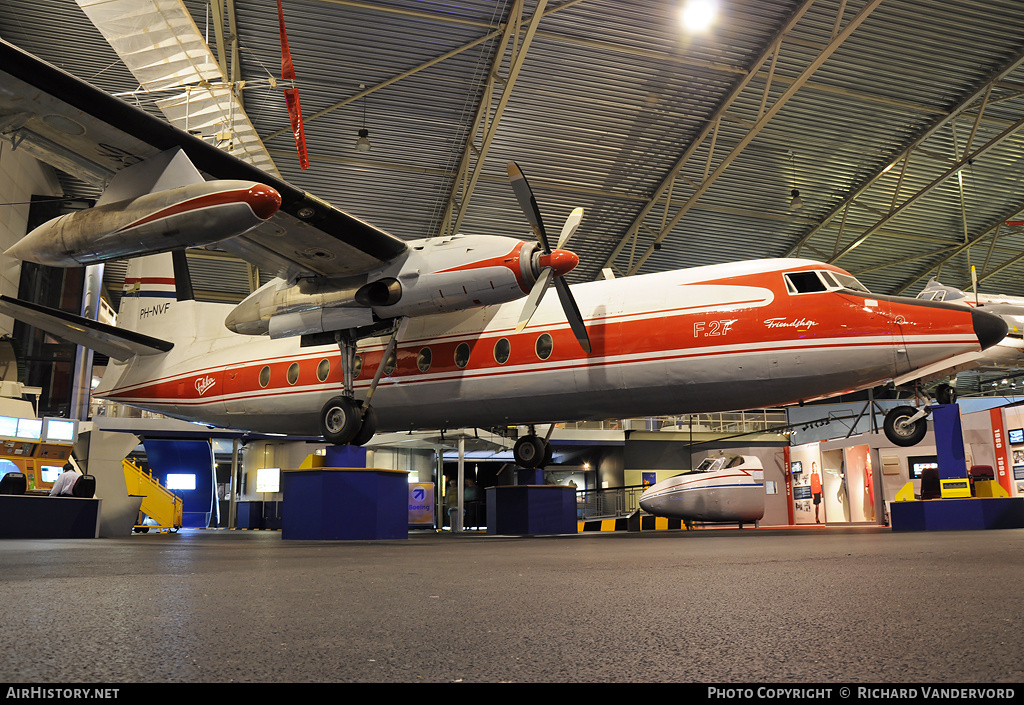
[65, 482]
[451, 501]
[816, 491]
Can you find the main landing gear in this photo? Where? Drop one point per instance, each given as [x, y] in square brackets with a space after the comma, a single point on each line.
[345, 420]
[531, 451]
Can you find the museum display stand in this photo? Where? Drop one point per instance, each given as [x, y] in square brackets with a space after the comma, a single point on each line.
[345, 503]
[34, 516]
[531, 509]
[954, 508]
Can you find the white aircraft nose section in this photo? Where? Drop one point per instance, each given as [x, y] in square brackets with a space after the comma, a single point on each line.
[728, 488]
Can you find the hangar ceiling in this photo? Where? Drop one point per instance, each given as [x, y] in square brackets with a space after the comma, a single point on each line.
[898, 121]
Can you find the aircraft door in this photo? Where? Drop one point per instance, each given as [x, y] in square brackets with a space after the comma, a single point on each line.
[901, 352]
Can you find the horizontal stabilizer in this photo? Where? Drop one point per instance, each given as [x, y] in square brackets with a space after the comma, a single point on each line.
[115, 343]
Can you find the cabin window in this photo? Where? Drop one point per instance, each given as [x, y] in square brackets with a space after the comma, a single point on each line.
[462, 355]
[423, 360]
[293, 373]
[357, 366]
[391, 364]
[265, 376]
[804, 282]
[323, 369]
[544, 346]
[502, 349]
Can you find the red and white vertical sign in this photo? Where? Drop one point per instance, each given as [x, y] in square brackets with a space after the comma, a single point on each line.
[1001, 449]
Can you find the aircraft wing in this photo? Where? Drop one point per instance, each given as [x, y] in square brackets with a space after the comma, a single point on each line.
[115, 343]
[89, 134]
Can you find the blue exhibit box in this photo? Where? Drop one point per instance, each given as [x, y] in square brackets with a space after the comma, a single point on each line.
[531, 509]
[345, 503]
[958, 514]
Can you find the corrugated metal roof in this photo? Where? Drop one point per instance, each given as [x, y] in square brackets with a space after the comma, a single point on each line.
[614, 98]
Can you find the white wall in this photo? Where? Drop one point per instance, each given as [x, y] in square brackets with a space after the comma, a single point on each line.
[21, 177]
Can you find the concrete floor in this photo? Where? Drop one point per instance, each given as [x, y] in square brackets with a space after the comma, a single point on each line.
[815, 605]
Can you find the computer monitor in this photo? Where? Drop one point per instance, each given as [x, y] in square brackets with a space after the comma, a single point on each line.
[50, 473]
[30, 429]
[919, 463]
[8, 426]
[59, 431]
[1015, 436]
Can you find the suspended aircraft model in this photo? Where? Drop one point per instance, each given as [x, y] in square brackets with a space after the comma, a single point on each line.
[363, 331]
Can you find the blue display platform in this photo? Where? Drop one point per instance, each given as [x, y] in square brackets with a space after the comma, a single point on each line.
[531, 509]
[958, 514]
[31, 516]
[345, 503]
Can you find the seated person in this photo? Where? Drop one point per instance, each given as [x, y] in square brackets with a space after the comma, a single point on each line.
[65, 482]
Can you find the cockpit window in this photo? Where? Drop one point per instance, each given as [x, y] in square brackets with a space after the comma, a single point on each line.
[824, 280]
[848, 282]
[804, 282]
[932, 295]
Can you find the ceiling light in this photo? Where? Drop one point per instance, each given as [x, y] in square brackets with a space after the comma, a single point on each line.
[697, 15]
[796, 203]
[363, 143]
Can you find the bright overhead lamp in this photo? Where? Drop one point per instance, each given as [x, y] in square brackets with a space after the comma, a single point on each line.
[698, 15]
[363, 143]
[795, 202]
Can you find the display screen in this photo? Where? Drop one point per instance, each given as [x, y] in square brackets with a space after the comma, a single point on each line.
[1016, 436]
[58, 430]
[30, 429]
[8, 427]
[919, 464]
[797, 467]
[50, 473]
[181, 481]
[268, 480]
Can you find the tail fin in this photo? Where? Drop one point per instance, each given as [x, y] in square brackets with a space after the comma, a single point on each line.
[152, 286]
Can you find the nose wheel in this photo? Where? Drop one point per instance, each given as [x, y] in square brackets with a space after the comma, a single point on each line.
[906, 426]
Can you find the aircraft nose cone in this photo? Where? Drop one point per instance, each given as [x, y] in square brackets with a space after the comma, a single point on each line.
[561, 261]
[263, 200]
[990, 329]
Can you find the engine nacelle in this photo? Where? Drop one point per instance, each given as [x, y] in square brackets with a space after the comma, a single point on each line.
[435, 276]
[187, 216]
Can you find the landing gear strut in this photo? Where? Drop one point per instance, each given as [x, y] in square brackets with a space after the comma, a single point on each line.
[345, 420]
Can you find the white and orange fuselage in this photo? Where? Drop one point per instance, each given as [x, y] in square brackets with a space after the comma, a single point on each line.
[715, 338]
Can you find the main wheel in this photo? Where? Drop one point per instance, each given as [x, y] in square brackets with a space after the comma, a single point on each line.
[900, 430]
[367, 429]
[529, 452]
[340, 420]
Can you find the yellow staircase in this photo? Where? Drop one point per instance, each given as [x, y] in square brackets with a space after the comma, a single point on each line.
[158, 503]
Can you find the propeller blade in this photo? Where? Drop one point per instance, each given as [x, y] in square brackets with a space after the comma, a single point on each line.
[572, 314]
[524, 194]
[571, 223]
[533, 300]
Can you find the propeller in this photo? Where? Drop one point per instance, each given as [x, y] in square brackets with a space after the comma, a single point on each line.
[553, 263]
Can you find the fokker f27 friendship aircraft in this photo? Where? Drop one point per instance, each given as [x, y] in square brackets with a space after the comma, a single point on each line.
[363, 331]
